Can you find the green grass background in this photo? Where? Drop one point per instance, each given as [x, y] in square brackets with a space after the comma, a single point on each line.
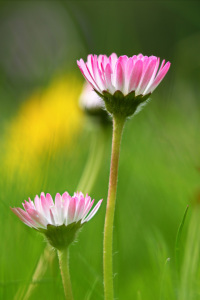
[158, 177]
[159, 162]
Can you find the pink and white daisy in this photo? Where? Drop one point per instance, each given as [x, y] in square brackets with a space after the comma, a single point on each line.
[124, 83]
[66, 210]
[60, 221]
[126, 74]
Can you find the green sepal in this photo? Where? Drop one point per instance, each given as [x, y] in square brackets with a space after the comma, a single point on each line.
[124, 106]
[60, 237]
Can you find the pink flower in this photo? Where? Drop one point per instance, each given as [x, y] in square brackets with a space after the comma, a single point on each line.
[66, 210]
[138, 73]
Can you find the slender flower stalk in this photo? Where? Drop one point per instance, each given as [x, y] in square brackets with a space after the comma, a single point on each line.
[125, 84]
[118, 125]
[99, 121]
[63, 257]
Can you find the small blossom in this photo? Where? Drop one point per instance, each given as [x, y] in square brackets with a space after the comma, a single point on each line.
[59, 221]
[89, 100]
[130, 78]
[94, 106]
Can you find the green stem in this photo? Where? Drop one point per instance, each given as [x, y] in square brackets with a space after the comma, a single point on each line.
[63, 256]
[118, 124]
[178, 240]
[93, 164]
[25, 292]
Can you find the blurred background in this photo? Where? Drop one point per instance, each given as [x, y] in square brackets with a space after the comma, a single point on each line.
[46, 140]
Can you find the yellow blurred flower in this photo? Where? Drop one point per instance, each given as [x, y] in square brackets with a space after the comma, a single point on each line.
[46, 121]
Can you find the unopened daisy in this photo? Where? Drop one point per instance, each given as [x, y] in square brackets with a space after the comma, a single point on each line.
[89, 100]
[125, 82]
[93, 105]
